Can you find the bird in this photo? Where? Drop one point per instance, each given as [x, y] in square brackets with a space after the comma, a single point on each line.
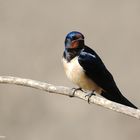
[84, 68]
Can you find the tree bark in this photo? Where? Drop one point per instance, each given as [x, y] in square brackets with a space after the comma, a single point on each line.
[68, 92]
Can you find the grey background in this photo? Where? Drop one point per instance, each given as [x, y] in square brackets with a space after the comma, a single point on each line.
[32, 33]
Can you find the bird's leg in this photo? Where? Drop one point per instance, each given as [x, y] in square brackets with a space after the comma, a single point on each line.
[74, 90]
[89, 95]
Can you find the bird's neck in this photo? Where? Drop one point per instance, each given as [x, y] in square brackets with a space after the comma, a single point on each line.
[69, 54]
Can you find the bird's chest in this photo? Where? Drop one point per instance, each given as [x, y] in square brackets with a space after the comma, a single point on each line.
[73, 70]
[77, 75]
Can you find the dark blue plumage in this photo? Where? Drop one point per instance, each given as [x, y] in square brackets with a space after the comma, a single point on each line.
[96, 70]
[93, 68]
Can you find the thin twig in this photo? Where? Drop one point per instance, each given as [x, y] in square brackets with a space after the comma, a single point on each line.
[68, 91]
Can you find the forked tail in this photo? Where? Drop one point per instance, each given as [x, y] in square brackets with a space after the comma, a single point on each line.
[118, 97]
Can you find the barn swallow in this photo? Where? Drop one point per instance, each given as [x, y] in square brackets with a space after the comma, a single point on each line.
[85, 68]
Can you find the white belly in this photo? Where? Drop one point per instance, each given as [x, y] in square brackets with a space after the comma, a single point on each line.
[77, 75]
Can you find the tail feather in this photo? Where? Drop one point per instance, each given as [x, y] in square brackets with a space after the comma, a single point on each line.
[118, 97]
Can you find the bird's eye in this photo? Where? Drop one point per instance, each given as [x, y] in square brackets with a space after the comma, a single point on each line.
[74, 38]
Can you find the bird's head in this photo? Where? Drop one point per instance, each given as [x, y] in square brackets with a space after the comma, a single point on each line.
[74, 40]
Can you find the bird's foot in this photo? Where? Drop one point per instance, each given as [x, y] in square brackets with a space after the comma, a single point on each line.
[89, 95]
[74, 90]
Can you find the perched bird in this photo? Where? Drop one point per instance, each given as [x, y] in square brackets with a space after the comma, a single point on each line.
[86, 69]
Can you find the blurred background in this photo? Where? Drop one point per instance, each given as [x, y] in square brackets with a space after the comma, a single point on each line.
[32, 36]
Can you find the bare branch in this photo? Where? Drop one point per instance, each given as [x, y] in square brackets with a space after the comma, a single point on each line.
[68, 91]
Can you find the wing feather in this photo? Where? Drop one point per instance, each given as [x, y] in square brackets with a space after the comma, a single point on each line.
[96, 70]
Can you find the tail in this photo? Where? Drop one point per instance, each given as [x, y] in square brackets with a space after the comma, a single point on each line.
[117, 97]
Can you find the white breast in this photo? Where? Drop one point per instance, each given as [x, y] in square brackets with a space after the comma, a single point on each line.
[77, 75]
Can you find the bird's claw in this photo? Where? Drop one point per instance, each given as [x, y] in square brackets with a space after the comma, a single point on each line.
[74, 90]
[89, 96]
